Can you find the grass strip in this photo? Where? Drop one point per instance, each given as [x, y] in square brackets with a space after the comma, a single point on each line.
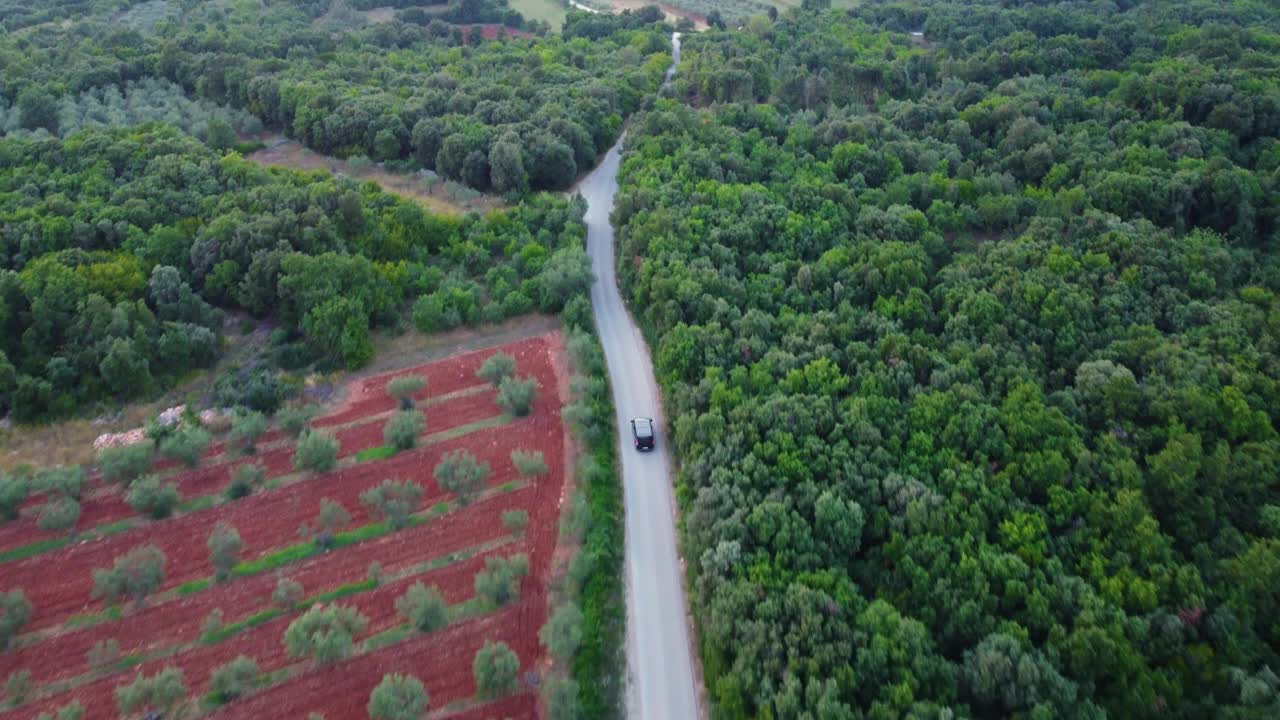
[381, 452]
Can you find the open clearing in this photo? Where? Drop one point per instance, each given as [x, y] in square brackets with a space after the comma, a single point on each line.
[551, 11]
[446, 545]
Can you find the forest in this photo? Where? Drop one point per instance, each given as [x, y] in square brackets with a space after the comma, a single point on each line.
[423, 91]
[969, 344]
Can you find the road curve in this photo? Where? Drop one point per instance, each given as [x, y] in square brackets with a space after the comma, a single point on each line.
[660, 679]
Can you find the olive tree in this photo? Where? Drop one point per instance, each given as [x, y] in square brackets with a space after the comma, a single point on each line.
[498, 367]
[17, 687]
[244, 480]
[515, 396]
[529, 463]
[15, 611]
[127, 463]
[563, 632]
[515, 521]
[148, 496]
[224, 550]
[499, 582]
[423, 607]
[296, 419]
[398, 697]
[14, 490]
[317, 451]
[393, 501]
[403, 429]
[332, 515]
[404, 388]
[460, 473]
[135, 574]
[288, 593]
[246, 428]
[495, 668]
[59, 512]
[233, 679]
[185, 445]
[71, 711]
[154, 696]
[324, 633]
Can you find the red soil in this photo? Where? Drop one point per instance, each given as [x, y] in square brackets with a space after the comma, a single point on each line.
[267, 520]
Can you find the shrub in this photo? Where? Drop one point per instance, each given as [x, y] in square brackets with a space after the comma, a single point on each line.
[135, 574]
[460, 473]
[317, 451]
[126, 464]
[246, 429]
[17, 687]
[294, 420]
[393, 501]
[148, 497]
[515, 521]
[499, 582]
[288, 593]
[157, 694]
[403, 429]
[185, 445]
[374, 573]
[331, 516]
[516, 396]
[103, 654]
[563, 632]
[59, 512]
[424, 608]
[495, 669]
[15, 611]
[324, 633]
[224, 550]
[244, 480]
[529, 464]
[404, 388]
[64, 481]
[71, 711]
[233, 679]
[14, 490]
[561, 697]
[398, 697]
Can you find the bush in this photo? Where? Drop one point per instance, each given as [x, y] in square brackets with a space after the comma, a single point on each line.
[561, 697]
[246, 429]
[136, 574]
[324, 633]
[515, 521]
[403, 429]
[331, 516]
[63, 481]
[59, 512]
[393, 501]
[288, 594]
[126, 464]
[213, 622]
[424, 608]
[498, 367]
[499, 582]
[460, 473]
[404, 388]
[563, 632]
[317, 451]
[157, 694]
[14, 490]
[398, 697]
[374, 573]
[516, 396]
[495, 669]
[296, 419]
[148, 497]
[529, 464]
[17, 687]
[244, 480]
[233, 679]
[102, 655]
[15, 611]
[185, 445]
[224, 550]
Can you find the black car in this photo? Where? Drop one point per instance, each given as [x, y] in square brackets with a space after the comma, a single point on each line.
[642, 429]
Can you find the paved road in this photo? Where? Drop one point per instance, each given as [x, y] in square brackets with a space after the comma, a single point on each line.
[660, 669]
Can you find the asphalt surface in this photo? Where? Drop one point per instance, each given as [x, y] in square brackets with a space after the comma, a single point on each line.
[660, 680]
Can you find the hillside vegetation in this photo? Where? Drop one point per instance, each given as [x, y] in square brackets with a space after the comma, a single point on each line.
[970, 354]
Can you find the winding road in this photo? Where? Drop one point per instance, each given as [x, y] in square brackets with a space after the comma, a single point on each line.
[660, 679]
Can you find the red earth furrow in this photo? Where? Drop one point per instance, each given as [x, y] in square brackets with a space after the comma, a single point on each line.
[264, 643]
[369, 395]
[442, 661]
[452, 413]
[179, 620]
[515, 707]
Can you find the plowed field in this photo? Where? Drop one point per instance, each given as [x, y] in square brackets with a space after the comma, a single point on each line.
[167, 630]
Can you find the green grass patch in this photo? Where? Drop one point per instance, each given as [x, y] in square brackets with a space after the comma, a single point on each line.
[507, 487]
[461, 430]
[270, 561]
[204, 502]
[195, 586]
[381, 452]
[254, 620]
[84, 620]
[387, 637]
[440, 508]
[118, 526]
[341, 592]
[30, 550]
[548, 11]
[129, 661]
